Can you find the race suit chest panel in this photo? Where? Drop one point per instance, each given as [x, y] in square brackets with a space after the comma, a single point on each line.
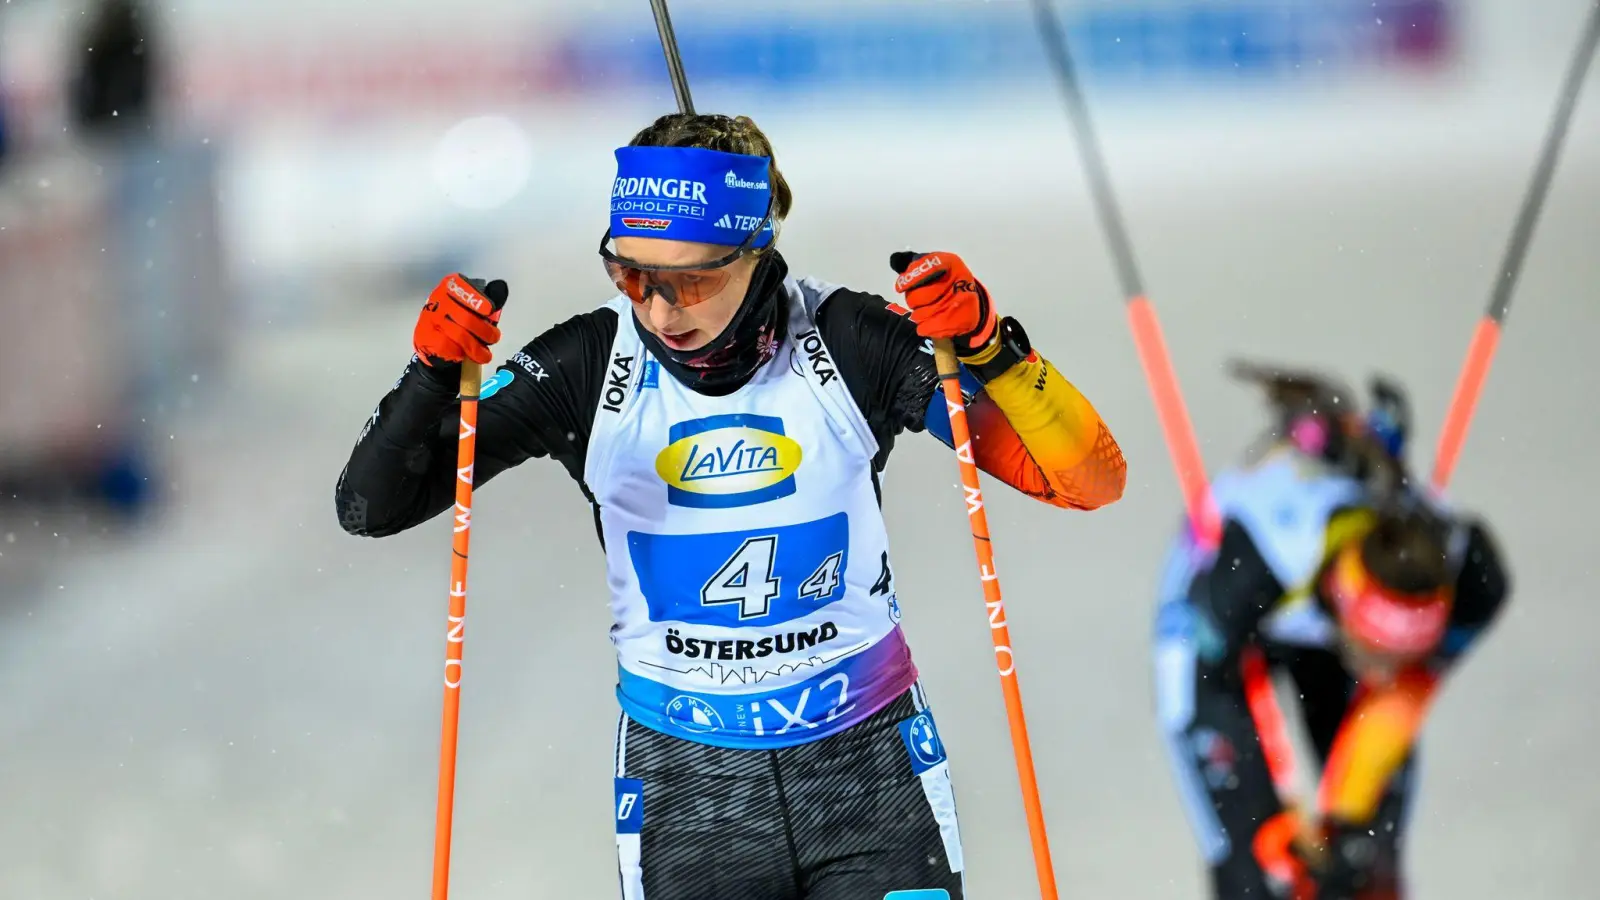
[747, 560]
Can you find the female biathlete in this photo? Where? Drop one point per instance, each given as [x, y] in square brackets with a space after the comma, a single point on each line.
[728, 422]
[1335, 568]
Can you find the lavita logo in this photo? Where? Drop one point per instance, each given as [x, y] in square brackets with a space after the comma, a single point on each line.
[617, 382]
[728, 460]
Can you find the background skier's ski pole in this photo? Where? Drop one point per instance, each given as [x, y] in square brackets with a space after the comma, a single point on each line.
[1480, 353]
[1204, 520]
[1147, 338]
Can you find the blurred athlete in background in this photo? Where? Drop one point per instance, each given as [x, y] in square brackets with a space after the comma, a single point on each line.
[729, 423]
[1366, 591]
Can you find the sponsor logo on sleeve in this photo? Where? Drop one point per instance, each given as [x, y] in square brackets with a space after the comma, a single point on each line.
[494, 383]
[530, 365]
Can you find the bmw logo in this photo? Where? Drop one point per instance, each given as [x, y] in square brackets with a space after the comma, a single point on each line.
[924, 740]
[693, 714]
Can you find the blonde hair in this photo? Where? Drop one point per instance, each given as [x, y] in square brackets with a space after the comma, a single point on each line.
[735, 134]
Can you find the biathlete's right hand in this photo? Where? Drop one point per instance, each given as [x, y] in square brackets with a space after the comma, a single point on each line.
[460, 321]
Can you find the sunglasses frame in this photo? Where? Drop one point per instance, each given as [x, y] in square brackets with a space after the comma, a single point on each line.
[720, 263]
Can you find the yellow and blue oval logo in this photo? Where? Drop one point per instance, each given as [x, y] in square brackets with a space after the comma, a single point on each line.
[731, 460]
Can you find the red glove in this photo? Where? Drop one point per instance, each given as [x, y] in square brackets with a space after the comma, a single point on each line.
[459, 321]
[946, 300]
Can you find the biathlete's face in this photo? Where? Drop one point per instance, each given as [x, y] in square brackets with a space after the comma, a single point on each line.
[683, 306]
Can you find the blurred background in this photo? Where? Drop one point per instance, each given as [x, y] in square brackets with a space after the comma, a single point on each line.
[217, 222]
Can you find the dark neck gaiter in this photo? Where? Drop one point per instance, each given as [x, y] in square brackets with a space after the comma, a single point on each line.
[751, 338]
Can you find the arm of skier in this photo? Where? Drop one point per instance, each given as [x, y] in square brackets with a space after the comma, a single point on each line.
[1030, 426]
[1230, 598]
[1381, 728]
[1034, 430]
[890, 372]
[402, 469]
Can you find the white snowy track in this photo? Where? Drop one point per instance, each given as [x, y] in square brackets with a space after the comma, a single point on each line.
[244, 702]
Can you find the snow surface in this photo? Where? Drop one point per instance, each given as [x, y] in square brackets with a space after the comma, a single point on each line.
[244, 702]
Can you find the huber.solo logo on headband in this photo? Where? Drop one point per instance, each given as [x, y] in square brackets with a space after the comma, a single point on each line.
[734, 181]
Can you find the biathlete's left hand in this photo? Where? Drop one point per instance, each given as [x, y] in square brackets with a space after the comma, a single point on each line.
[1345, 862]
[946, 301]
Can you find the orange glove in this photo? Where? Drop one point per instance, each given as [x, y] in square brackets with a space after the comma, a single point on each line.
[946, 300]
[1281, 848]
[459, 321]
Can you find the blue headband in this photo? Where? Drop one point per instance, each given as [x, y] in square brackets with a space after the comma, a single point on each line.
[690, 194]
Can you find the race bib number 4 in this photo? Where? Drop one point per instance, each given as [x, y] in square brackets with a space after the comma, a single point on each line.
[742, 578]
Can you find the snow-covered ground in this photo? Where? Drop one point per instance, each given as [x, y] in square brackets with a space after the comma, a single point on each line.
[243, 702]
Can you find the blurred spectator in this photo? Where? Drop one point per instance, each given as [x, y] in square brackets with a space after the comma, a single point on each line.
[115, 87]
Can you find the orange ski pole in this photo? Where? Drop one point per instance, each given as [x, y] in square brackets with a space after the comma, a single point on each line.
[455, 630]
[944, 356]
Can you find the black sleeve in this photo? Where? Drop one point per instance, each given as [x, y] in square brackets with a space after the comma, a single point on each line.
[1236, 592]
[403, 468]
[886, 365]
[1481, 591]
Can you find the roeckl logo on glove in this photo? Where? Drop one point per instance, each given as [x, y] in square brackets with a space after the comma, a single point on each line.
[466, 295]
[924, 266]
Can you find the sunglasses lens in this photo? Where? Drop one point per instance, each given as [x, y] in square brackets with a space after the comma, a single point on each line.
[679, 288]
[690, 288]
[628, 280]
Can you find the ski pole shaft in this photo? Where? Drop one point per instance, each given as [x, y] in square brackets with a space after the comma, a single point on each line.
[1205, 522]
[455, 631]
[961, 437]
[669, 49]
[1486, 338]
[1153, 356]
